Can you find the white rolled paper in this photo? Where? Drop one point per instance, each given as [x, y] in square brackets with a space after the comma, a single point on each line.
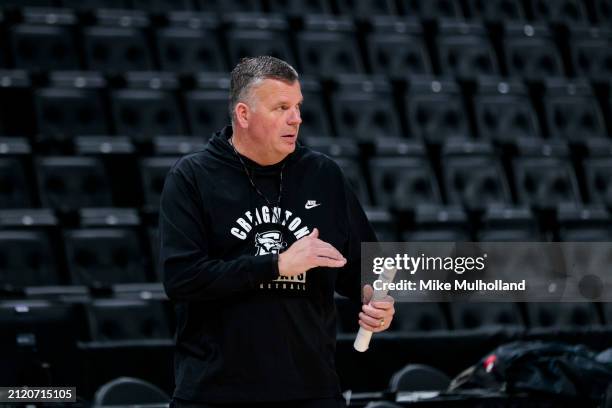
[362, 341]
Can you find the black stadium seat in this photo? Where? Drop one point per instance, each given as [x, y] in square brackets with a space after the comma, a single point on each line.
[396, 47]
[544, 178]
[116, 49]
[572, 112]
[465, 50]
[248, 35]
[73, 182]
[531, 53]
[327, 46]
[143, 113]
[504, 112]
[591, 50]
[45, 47]
[63, 113]
[364, 109]
[435, 110]
[102, 257]
[473, 176]
[26, 259]
[403, 182]
[185, 49]
[127, 319]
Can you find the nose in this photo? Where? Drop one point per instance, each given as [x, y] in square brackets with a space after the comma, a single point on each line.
[295, 118]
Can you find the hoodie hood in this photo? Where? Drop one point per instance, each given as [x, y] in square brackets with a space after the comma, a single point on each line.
[221, 148]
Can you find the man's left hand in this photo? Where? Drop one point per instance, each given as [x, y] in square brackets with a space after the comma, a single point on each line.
[376, 316]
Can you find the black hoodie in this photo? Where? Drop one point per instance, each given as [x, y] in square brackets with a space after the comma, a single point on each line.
[244, 334]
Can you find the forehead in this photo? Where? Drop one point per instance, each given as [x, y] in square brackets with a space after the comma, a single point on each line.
[274, 91]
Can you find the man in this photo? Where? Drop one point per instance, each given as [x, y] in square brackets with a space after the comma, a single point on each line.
[257, 232]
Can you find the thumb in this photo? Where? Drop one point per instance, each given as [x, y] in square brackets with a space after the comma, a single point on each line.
[368, 291]
[314, 233]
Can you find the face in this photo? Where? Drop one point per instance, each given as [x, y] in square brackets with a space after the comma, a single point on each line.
[273, 119]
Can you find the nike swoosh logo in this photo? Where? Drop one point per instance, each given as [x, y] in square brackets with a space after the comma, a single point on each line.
[309, 206]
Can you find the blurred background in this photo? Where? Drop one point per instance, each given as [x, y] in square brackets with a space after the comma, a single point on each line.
[455, 120]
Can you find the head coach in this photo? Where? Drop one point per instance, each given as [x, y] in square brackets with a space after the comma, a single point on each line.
[257, 232]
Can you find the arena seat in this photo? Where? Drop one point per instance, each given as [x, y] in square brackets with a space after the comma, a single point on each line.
[591, 50]
[396, 47]
[473, 176]
[63, 113]
[403, 182]
[145, 113]
[327, 46]
[101, 257]
[363, 108]
[543, 176]
[254, 34]
[189, 44]
[572, 112]
[126, 319]
[418, 377]
[531, 53]
[129, 391]
[465, 50]
[435, 110]
[69, 182]
[117, 49]
[44, 46]
[504, 112]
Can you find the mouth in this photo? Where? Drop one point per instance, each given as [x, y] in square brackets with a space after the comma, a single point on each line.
[289, 137]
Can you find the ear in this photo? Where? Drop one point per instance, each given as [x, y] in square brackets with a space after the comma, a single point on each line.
[241, 112]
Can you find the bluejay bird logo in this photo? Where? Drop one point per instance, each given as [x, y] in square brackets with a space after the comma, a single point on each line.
[269, 242]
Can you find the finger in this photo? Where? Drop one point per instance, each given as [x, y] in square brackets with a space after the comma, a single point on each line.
[369, 320]
[314, 233]
[368, 327]
[382, 304]
[373, 312]
[368, 291]
[329, 262]
[329, 253]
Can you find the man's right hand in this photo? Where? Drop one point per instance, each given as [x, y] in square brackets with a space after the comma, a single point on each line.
[307, 253]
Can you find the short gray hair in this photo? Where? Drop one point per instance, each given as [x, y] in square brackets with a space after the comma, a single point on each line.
[251, 71]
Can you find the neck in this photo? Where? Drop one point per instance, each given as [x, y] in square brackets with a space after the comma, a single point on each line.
[243, 145]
